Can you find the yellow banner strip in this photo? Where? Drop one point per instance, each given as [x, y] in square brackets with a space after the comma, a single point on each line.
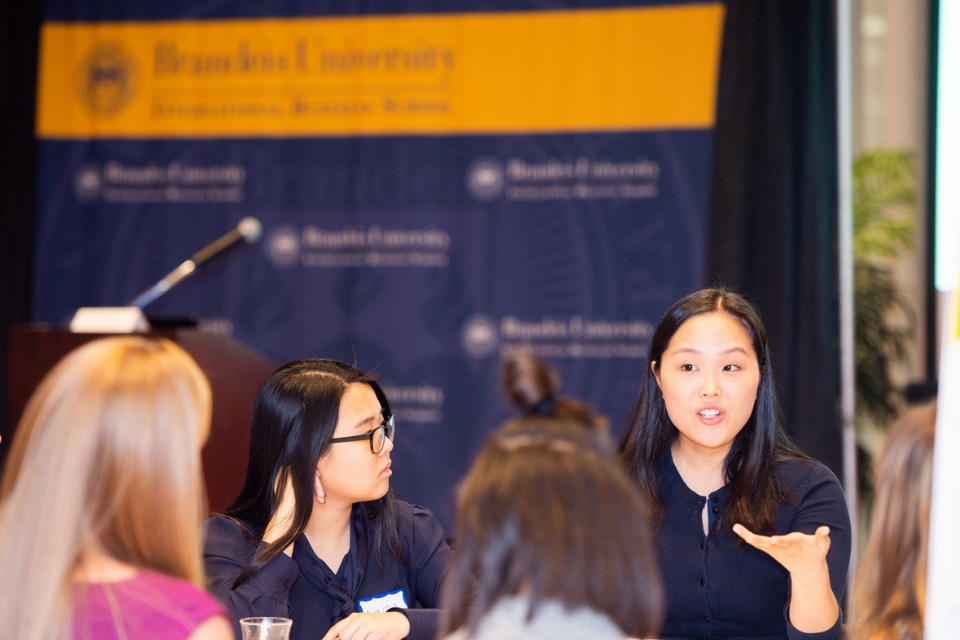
[552, 71]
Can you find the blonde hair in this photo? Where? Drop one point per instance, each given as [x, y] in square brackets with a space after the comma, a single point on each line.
[106, 457]
[890, 590]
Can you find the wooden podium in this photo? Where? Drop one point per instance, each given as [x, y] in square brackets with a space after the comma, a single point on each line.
[235, 373]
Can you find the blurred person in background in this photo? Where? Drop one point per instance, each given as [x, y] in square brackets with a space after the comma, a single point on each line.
[102, 500]
[552, 541]
[890, 590]
[533, 388]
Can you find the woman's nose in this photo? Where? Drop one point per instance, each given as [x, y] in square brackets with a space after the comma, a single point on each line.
[709, 388]
[387, 445]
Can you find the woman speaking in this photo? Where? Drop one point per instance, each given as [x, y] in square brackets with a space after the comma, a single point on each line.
[315, 534]
[753, 538]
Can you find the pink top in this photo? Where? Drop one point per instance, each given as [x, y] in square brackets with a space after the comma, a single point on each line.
[149, 606]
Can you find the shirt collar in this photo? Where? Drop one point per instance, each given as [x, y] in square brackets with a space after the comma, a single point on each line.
[343, 586]
[668, 471]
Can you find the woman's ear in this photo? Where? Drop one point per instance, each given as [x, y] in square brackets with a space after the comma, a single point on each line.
[318, 488]
[656, 375]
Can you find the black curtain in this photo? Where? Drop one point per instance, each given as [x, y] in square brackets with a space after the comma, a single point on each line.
[19, 36]
[773, 210]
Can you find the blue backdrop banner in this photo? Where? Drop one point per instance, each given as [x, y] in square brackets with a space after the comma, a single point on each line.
[438, 189]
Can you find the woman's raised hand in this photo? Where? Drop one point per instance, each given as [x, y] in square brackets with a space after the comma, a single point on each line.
[813, 607]
[370, 626]
[282, 519]
[804, 556]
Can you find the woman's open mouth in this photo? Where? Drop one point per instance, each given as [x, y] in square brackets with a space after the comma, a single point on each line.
[710, 416]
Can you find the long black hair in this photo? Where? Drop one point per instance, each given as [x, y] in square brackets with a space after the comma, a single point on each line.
[750, 466]
[294, 418]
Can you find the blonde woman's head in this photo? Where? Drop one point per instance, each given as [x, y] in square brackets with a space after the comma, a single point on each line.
[106, 458]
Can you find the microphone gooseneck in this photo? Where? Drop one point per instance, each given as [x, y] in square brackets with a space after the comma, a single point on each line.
[249, 230]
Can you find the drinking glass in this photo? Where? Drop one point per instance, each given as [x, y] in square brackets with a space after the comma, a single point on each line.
[265, 628]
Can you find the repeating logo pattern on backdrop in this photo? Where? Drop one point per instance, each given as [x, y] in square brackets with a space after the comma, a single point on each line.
[424, 245]
[283, 246]
[485, 179]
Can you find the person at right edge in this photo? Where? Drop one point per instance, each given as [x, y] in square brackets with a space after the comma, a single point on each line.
[752, 537]
[891, 588]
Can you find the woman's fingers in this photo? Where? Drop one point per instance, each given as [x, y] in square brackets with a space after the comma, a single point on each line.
[764, 543]
[287, 500]
[370, 626]
[822, 536]
[347, 629]
[748, 536]
[283, 517]
[795, 551]
[338, 628]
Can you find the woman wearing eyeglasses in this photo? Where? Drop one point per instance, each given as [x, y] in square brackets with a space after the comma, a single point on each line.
[316, 535]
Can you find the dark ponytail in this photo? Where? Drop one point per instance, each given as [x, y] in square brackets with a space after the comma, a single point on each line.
[533, 388]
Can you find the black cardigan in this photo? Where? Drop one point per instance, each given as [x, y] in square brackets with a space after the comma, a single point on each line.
[720, 587]
[279, 589]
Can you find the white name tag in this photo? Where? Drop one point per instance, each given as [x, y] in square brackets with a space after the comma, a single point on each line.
[384, 602]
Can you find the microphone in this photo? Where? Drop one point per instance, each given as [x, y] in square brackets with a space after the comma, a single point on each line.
[249, 229]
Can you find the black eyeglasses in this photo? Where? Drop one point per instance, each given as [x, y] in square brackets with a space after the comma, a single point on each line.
[377, 437]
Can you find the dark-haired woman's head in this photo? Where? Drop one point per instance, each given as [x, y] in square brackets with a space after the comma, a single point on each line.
[708, 316]
[545, 513]
[533, 388]
[709, 385]
[310, 429]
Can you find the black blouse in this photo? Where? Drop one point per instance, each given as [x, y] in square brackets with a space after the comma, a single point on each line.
[304, 589]
[720, 587]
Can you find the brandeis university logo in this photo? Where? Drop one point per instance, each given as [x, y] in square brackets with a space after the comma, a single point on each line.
[107, 79]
